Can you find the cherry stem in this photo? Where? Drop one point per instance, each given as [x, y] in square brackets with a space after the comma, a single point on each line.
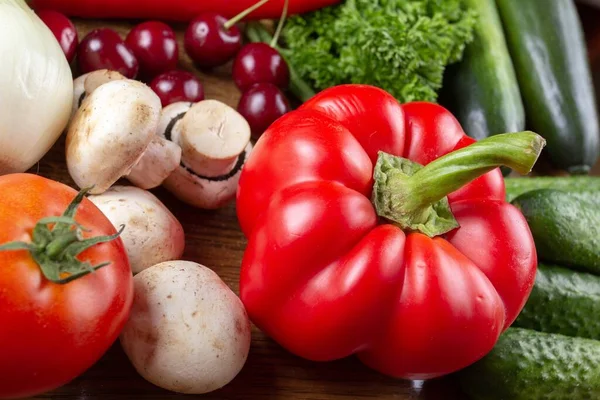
[280, 25]
[243, 14]
[257, 33]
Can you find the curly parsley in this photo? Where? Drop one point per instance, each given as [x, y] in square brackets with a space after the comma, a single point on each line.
[402, 46]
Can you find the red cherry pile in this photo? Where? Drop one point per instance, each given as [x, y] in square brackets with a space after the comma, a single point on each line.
[150, 53]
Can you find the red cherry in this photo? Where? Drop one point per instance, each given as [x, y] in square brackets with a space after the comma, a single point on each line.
[63, 29]
[176, 86]
[261, 105]
[154, 45]
[209, 43]
[259, 62]
[104, 49]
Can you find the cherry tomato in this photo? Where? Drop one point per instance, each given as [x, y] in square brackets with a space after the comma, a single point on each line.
[53, 328]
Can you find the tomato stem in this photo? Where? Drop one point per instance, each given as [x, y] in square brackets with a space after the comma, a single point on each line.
[414, 196]
[55, 249]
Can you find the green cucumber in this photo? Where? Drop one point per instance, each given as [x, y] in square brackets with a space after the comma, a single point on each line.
[530, 365]
[482, 90]
[563, 301]
[565, 227]
[547, 47]
[574, 184]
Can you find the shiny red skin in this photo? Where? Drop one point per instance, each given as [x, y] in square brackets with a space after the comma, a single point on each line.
[326, 279]
[260, 63]
[63, 29]
[176, 10]
[177, 85]
[208, 43]
[51, 333]
[155, 46]
[261, 105]
[104, 49]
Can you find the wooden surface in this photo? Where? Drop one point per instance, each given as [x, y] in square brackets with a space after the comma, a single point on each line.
[213, 238]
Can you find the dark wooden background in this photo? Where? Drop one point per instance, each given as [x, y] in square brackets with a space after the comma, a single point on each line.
[213, 238]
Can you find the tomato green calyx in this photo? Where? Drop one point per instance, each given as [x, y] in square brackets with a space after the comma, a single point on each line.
[55, 249]
[414, 196]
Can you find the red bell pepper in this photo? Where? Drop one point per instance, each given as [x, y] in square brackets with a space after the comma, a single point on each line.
[381, 230]
[174, 10]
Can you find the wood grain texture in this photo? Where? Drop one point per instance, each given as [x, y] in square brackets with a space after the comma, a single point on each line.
[213, 238]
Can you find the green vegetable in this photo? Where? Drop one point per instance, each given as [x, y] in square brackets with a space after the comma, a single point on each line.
[482, 90]
[402, 46]
[589, 185]
[530, 365]
[563, 301]
[548, 50]
[565, 227]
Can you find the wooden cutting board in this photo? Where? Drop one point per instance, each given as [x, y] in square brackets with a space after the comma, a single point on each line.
[213, 238]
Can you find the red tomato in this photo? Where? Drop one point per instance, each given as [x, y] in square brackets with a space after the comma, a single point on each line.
[52, 332]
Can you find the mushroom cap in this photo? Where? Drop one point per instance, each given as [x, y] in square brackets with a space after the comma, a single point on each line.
[110, 132]
[83, 86]
[99, 77]
[78, 93]
[152, 233]
[188, 332]
[171, 117]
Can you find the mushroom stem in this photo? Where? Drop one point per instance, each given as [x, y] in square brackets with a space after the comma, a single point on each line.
[159, 160]
[215, 143]
[213, 135]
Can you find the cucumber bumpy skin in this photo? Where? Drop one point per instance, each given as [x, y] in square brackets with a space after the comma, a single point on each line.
[563, 301]
[587, 185]
[565, 228]
[530, 365]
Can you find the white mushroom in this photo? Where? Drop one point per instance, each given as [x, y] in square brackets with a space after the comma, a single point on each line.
[87, 83]
[160, 159]
[113, 134]
[187, 332]
[215, 143]
[152, 233]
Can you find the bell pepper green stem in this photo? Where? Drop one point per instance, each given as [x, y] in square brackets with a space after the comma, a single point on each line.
[518, 151]
[414, 196]
[256, 32]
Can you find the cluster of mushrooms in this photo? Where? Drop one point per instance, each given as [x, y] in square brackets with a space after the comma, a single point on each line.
[118, 129]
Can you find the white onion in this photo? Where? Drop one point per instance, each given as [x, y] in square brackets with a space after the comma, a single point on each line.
[36, 88]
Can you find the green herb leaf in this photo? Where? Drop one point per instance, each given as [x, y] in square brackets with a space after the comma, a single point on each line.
[402, 46]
